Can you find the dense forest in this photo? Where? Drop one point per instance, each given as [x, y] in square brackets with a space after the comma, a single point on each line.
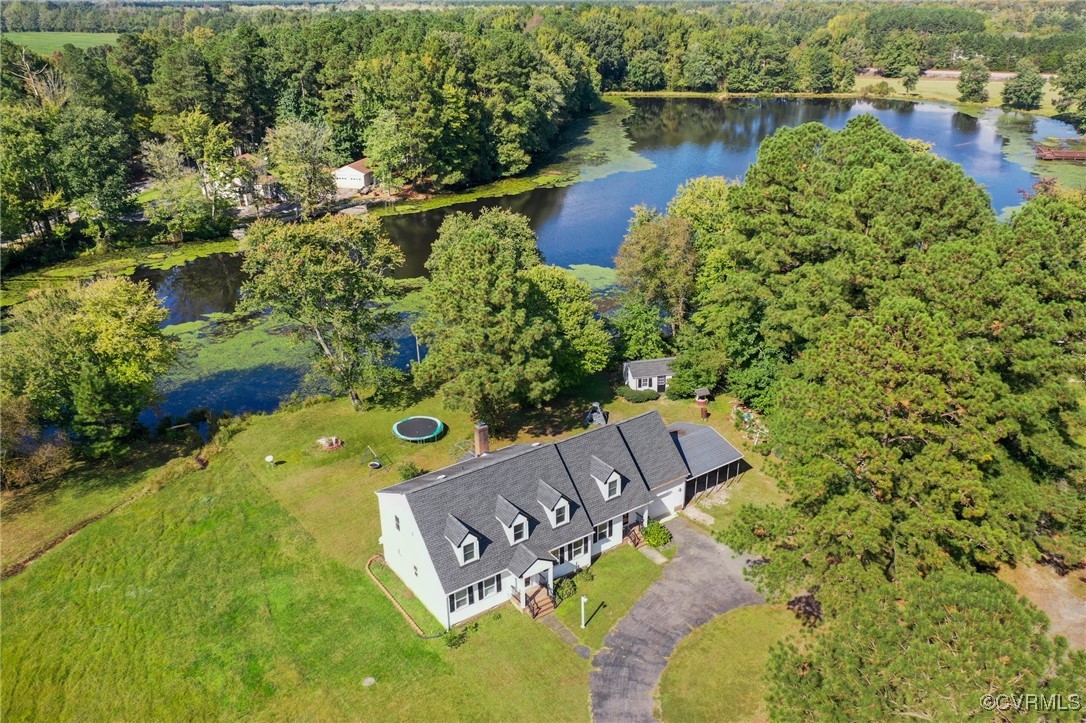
[436, 99]
[915, 365]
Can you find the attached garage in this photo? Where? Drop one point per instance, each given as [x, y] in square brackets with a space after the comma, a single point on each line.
[667, 501]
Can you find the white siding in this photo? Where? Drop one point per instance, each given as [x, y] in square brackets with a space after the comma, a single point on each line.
[405, 552]
[574, 564]
[351, 178]
[613, 541]
[667, 502]
[484, 604]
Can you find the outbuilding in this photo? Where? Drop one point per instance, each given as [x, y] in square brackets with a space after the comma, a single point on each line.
[356, 176]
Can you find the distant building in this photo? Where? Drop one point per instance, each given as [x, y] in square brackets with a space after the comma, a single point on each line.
[356, 176]
[652, 374]
[258, 184]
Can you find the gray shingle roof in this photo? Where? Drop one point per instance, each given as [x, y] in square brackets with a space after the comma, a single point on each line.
[523, 476]
[702, 447]
[455, 531]
[505, 511]
[522, 559]
[640, 368]
[600, 469]
[548, 496]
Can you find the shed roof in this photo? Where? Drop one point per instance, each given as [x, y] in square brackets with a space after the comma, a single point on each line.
[702, 447]
[640, 368]
[362, 165]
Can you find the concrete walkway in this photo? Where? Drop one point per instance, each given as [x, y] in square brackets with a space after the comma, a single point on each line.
[567, 636]
[704, 580]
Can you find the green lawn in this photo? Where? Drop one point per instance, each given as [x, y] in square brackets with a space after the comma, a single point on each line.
[238, 591]
[36, 516]
[620, 578]
[46, 43]
[946, 89]
[414, 607]
[716, 673]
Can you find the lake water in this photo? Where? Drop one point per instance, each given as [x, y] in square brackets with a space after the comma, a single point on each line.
[585, 223]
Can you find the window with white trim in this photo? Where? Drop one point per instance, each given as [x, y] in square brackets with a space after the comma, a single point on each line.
[575, 549]
[603, 531]
[520, 530]
[461, 598]
[397, 518]
[490, 586]
[644, 382]
[468, 552]
[561, 514]
[613, 487]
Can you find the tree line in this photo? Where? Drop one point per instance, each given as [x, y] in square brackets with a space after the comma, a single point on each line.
[441, 99]
[917, 365]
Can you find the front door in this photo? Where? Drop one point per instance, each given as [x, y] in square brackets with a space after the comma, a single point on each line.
[661, 383]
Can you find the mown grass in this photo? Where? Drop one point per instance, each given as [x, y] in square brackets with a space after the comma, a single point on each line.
[619, 578]
[407, 600]
[47, 43]
[38, 515]
[238, 591]
[946, 90]
[717, 673]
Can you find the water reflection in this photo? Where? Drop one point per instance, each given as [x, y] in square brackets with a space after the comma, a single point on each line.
[689, 137]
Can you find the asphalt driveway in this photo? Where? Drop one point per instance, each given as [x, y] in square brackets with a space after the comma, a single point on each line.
[704, 580]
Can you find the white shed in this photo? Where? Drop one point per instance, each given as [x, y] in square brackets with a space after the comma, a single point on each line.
[355, 176]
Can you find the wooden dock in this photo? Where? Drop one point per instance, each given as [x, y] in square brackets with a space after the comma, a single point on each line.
[1047, 153]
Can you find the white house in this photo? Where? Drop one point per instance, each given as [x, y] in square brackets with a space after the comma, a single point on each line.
[356, 176]
[503, 526]
[652, 374]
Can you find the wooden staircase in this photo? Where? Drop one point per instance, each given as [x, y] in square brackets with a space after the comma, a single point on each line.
[636, 535]
[540, 603]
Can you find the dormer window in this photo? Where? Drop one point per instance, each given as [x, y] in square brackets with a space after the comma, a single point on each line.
[513, 520]
[554, 503]
[609, 480]
[460, 537]
[612, 487]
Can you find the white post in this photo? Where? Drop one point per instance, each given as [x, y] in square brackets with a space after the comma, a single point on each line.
[584, 599]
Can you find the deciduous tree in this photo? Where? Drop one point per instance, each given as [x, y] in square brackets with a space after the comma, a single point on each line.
[333, 277]
[489, 351]
[973, 82]
[300, 153]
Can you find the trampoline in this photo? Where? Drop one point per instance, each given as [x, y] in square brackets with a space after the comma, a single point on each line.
[418, 429]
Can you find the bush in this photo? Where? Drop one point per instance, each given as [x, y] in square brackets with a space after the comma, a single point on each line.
[564, 589]
[656, 534]
[879, 90]
[455, 638]
[410, 470]
[586, 575]
[637, 396]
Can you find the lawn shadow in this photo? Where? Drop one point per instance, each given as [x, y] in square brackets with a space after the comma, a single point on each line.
[599, 607]
[564, 413]
[85, 477]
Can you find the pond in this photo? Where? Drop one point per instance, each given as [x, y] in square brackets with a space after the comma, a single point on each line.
[250, 365]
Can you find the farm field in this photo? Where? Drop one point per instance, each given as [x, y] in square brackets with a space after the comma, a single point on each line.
[46, 43]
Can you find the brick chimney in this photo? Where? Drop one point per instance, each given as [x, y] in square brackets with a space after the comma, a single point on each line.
[482, 439]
